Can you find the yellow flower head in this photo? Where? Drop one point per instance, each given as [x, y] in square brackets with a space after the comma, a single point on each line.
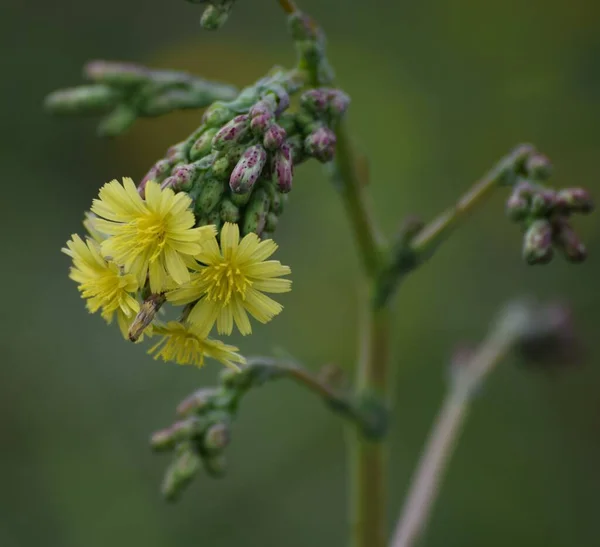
[152, 236]
[186, 345]
[102, 283]
[231, 281]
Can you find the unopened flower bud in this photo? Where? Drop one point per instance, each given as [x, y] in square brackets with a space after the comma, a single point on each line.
[221, 167]
[200, 400]
[271, 222]
[283, 168]
[321, 144]
[157, 173]
[214, 17]
[203, 145]
[255, 214]
[538, 167]
[215, 465]
[282, 98]
[266, 105]
[145, 316]
[217, 114]
[517, 207]
[116, 73]
[229, 211]
[166, 439]
[274, 137]
[568, 241]
[217, 437]
[248, 169]
[338, 103]
[232, 132]
[82, 100]
[574, 200]
[182, 178]
[260, 124]
[180, 473]
[537, 242]
[118, 121]
[210, 195]
[542, 202]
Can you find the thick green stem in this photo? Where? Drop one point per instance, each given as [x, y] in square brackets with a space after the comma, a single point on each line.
[368, 458]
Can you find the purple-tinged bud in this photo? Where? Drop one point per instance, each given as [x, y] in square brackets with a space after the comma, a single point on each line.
[321, 144]
[538, 167]
[537, 242]
[232, 132]
[203, 144]
[517, 207]
[157, 173]
[283, 168]
[166, 439]
[274, 137]
[282, 98]
[248, 169]
[568, 241]
[217, 437]
[543, 202]
[215, 466]
[261, 123]
[338, 103]
[574, 200]
[264, 106]
[182, 178]
[198, 401]
[315, 100]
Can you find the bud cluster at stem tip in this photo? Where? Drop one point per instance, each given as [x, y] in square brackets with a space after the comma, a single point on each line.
[545, 213]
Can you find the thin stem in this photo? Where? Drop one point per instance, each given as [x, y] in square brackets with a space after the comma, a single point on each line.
[448, 426]
[356, 203]
[410, 254]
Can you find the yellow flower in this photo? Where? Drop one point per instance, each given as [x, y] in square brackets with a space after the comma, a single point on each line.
[186, 345]
[154, 236]
[102, 283]
[231, 281]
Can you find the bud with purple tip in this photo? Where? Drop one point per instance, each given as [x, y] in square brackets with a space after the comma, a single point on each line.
[321, 144]
[568, 241]
[232, 132]
[537, 243]
[248, 169]
[274, 137]
[574, 200]
[283, 168]
[261, 123]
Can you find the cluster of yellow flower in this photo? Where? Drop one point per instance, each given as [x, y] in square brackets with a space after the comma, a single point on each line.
[137, 243]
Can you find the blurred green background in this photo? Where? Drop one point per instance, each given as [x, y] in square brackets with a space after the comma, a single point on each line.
[440, 91]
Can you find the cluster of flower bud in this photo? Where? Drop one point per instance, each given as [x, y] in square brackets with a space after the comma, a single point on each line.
[238, 165]
[127, 91]
[544, 213]
[203, 432]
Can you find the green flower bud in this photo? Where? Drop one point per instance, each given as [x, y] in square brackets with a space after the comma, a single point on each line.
[517, 207]
[229, 211]
[537, 243]
[248, 169]
[217, 437]
[182, 177]
[232, 132]
[118, 73]
[214, 18]
[221, 167]
[210, 195]
[215, 465]
[271, 222]
[183, 430]
[240, 200]
[87, 99]
[118, 121]
[203, 145]
[276, 197]
[538, 167]
[256, 211]
[217, 114]
[215, 218]
[180, 473]
[542, 202]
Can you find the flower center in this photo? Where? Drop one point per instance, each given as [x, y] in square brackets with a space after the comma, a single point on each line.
[151, 233]
[224, 280]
